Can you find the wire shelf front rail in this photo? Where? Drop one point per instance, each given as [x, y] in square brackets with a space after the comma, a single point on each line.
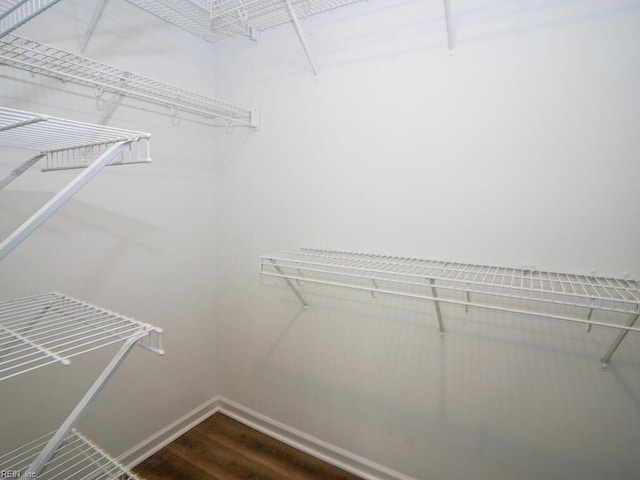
[43, 59]
[44, 329]
[482, 286]
[14, 13]
[67, 143]
[78, 458]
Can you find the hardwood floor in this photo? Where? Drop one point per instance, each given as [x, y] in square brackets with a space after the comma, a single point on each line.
[221, 448]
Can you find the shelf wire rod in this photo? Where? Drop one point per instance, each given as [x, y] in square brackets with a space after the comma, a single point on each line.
[462, 303]
[26, 366]
[526, 283]
[36, 346]
[63, 432]
[482, 271]
[69, 321]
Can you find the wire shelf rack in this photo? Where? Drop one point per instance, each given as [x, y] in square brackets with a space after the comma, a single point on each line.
[14, 13]
[52, 328]
[457, 283]
[78, 458]
[39, 58]
[66, 143]
[214, 20]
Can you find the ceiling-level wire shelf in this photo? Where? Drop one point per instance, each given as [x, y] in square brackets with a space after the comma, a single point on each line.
[214, 20]
[14, 13]
[513, 290]
[78, 458]
[38, 58]
[53, 328]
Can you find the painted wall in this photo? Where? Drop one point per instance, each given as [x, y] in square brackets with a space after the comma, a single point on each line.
[519, 147]
[137, 240]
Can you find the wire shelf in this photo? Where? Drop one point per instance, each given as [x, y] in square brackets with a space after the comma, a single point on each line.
[78, 458]
[44, 329]
[43, 59]
[416, 278]
[214, 20]
[67, 143]
[14, 13]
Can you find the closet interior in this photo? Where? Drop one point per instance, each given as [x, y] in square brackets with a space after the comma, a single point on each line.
[400, 131]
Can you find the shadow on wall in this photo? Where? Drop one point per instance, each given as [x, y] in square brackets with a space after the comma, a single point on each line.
[472, 396]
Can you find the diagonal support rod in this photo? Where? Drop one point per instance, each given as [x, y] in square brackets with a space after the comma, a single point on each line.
[290, 284]
[95, 18]
[300, 34]
[618, 340]
[449, 22]
[38, 218]
[65, 429]
[436, 304]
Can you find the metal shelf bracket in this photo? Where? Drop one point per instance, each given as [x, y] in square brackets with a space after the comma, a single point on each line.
[449, 23]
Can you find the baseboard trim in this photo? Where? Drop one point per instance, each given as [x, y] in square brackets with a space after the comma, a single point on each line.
[331, 454]
[315, 447]
[168, 434]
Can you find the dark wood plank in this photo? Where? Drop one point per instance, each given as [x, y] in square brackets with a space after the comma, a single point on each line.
[222, 449]
[165, 465]
[287, 461]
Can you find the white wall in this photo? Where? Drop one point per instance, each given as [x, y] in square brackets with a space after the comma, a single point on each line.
[520, 147]
[137, 240]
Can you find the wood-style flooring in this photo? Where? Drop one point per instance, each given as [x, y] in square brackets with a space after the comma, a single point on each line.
[222, 449]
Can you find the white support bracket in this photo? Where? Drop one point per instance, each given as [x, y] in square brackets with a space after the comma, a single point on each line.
[618, 340]
[38, 218]
[449, 23]
[290, 284]
[436, 304]
[299, 32]
[95, 18]
[63, 432]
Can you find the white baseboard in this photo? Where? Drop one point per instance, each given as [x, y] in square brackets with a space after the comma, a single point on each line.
[168, 434]
[331, 454]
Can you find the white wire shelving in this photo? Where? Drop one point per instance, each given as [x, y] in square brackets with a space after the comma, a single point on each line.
[14, 13]
[214, 20]
[38, 58]
[511, 290]
[78, 458]
[53, 328]
[65, 144]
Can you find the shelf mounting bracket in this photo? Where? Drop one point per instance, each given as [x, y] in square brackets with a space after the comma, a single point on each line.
[291, 285]
[95, 18]
[449, 22]
[65, 429]
[436, 304]
[49, 208]
[618, 340]
[300, 33]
